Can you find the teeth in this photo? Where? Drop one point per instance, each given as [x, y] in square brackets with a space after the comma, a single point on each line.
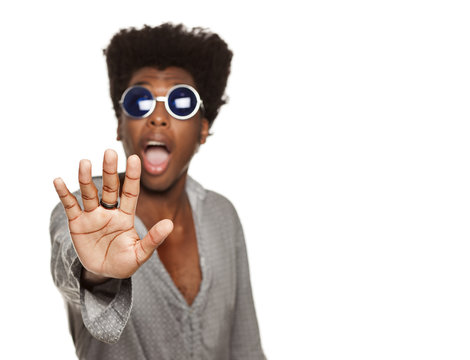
[155, 143]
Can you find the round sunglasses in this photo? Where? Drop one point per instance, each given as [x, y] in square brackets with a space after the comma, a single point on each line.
[182, 102]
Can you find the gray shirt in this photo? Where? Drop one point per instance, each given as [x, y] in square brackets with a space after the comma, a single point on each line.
[146, 317]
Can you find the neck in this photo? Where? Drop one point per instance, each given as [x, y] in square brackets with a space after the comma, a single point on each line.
[168, 204]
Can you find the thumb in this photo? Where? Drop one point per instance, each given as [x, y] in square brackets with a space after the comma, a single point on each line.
[153, 239]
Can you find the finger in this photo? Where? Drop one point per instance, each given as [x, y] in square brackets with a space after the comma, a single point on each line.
[156, 235]
[110, 177]
[70, 203]
[87, 187]
[131, 186]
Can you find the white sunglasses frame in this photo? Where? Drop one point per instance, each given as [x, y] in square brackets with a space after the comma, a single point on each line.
[164, 99]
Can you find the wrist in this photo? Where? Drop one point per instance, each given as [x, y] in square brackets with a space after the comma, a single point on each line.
[89, 279]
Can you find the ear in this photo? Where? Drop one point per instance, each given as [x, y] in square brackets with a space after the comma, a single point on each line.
[204, 131]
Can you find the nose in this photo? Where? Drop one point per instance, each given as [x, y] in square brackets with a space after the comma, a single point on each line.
[159, 116]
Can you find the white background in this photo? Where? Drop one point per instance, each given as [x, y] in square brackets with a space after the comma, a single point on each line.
[345, 148]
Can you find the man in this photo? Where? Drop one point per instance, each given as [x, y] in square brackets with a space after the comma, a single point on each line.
[191, 298]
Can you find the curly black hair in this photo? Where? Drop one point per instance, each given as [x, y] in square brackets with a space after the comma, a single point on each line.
[200, 52]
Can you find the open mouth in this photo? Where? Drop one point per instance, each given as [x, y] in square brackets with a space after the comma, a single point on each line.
[156, 152]
[156, 156]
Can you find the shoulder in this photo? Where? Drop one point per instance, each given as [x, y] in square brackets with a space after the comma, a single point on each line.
[212, 206]
[209, 199]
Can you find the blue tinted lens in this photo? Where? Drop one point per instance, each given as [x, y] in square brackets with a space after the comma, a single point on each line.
[182, 101]
[138, 101]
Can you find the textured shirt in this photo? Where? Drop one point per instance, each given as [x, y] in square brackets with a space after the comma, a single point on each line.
[145, 316]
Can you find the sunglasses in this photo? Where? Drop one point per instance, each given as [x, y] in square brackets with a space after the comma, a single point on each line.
[181, 102]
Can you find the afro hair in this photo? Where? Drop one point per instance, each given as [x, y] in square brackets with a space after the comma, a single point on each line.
[200, 52]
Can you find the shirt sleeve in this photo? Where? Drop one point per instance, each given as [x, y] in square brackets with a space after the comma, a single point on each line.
[245, 342]
[104, 310]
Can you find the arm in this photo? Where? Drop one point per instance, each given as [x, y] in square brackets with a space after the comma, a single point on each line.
[104, 306]
[95, 250]
[245, 342]
[65, 266]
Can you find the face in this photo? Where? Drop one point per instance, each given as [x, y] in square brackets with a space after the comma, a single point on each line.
[164, 144]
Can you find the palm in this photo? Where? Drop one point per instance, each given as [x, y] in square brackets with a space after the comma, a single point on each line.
[106, 241]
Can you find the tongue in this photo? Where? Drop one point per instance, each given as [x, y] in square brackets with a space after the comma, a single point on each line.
[156, 155]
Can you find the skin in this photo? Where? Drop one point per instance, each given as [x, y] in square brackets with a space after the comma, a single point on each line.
[105, 240]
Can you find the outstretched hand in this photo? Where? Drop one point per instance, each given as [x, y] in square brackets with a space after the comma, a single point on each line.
[105, 240]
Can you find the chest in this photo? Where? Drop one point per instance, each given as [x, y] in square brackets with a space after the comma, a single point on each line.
[180, 256]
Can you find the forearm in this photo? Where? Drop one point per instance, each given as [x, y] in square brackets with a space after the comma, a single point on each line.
[65, 266]
[105, 304]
